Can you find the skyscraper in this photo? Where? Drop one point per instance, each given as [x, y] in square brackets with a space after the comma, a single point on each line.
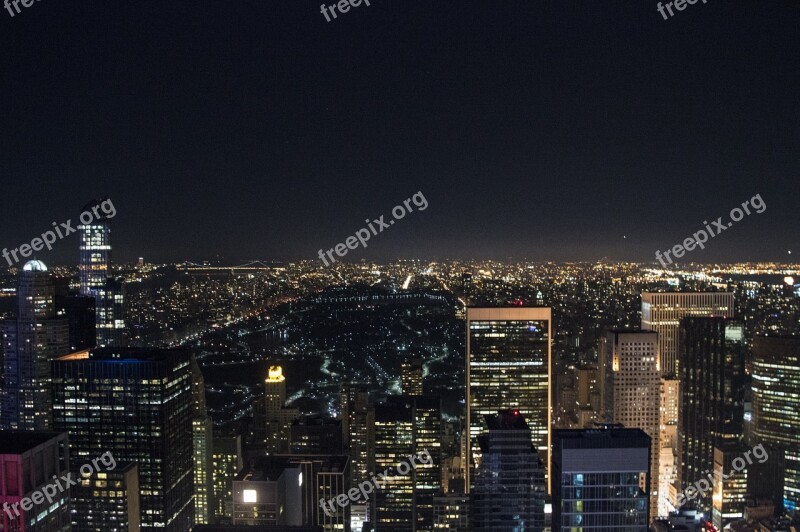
[600, 480]
[408, 426]
[228, 462]
[29, 344]
[631, 375]
[137, 405]
[358, 422]
[277, 416]
[662, 312]
[712, 387]
[509, 488]
[202, 443]
[29, 460]
[94, 273]
[508, 366]
[776, 405]
[112, 497]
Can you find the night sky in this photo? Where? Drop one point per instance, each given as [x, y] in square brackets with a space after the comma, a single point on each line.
[536, 129]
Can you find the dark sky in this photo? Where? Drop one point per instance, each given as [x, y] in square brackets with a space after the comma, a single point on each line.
[546, 129]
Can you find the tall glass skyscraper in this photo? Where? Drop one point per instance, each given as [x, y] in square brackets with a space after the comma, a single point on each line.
[776, 405]
[600, 480]
[94, 269]
[508, 367]
[712, 388]
[137, 405]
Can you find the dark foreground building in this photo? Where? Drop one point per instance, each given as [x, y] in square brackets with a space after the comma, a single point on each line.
[600, 479]
[509, 485]
[135, 404]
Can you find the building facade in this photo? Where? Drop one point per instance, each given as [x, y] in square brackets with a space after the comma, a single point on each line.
[600, 480]
[508, 366]
[632, 382]
[137, 405]
[662, 312]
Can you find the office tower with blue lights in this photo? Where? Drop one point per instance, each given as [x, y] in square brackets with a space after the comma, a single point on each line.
[30, 342]
[662, 312]
[631, 383]
[712, 390]
[508, 366]
[600, 480]
[776, 406]
[137, 405]
[94, 274]
[509, 489]
[407, 426]
[29, 460]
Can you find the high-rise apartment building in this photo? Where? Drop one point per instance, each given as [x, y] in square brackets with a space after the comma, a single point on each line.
[508, 366]
[407, 426]
[228, 463]
[632, 390]
[30, 342]
[509, 490]
[776, 406]
[94, 273]
[411, 373]
[600, 480]
[137, 405]
[712, 388]
[662, 312]
[32, 461]
[729, 495]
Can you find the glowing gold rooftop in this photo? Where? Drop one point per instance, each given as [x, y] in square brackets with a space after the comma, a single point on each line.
[275, 374]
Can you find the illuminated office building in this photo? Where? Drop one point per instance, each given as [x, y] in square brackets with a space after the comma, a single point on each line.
[30, 342]
[632, 390]
[109, 499]
[411, 372]
[508, 367]
[358, 422]
[137, 405]
[94, 274]
[29, 460]
[776, 406]
[509, 489]
[600, 480]
[663, 311]
[712, 395]
[202, 448]
[228, 462]
[729, 495]
[407, 426]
